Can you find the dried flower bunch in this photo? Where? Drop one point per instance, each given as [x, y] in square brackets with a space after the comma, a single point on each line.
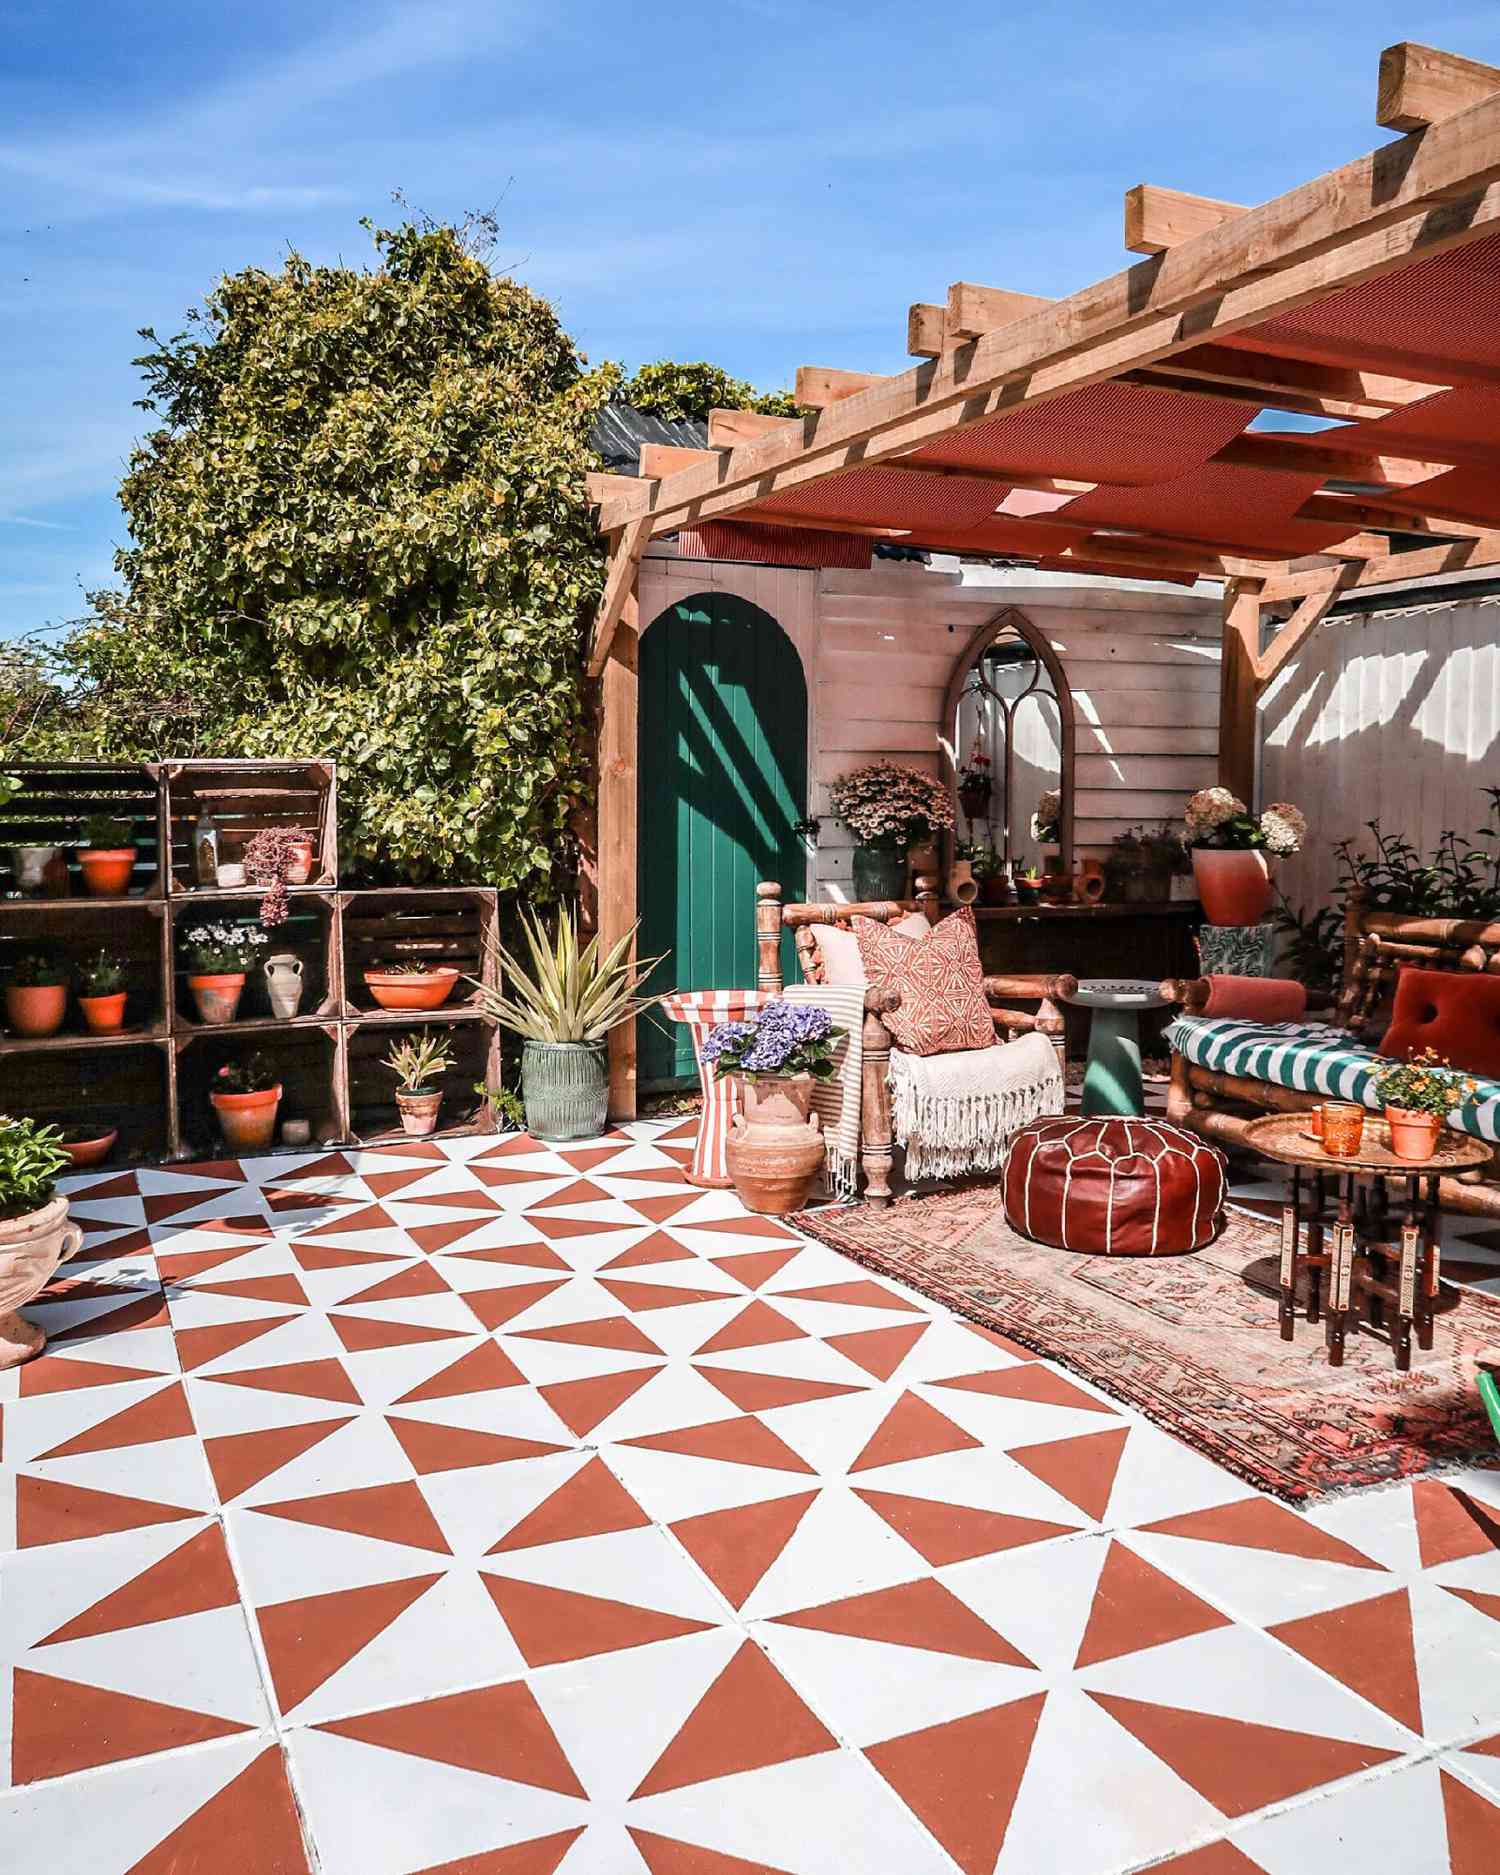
[783, 1038]
[269, 858]
[1425, 1084]
[889, 805]
[222, 949]
[1216, 818]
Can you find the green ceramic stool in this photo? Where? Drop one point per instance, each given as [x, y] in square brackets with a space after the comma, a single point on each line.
[1112, 1080]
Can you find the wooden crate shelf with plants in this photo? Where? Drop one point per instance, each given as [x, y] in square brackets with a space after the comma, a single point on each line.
[312, 1017]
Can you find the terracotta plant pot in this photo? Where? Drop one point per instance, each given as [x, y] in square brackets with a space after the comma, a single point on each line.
[1414, 1135]
[218, 997]
[300, 863]
[1234, 885]
[996, 890]
[31, 1247]
[1028, 891]
[963, 887]
[36, 1009]
[774, 1149]
[107, 869]
[393, 989]
[248, 1121]
[1056, 888]
[104, 1015]
[419, 1112]
[1089, 885]
[92, 1151]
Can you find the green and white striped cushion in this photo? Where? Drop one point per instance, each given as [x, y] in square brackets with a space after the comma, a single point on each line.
[1314, 1059]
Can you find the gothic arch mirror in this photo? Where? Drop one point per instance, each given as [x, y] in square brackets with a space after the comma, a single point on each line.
[1008, 722]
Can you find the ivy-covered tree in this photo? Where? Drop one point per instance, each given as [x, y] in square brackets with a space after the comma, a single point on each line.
[361, 531]
[673, 391]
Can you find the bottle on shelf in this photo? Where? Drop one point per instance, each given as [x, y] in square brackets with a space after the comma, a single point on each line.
[206, 849]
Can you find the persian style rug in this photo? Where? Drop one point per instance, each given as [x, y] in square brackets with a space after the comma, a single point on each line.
[1192, 1342]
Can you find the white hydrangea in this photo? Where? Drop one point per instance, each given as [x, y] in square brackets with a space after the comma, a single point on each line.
[1208, 809]
[1284, 827]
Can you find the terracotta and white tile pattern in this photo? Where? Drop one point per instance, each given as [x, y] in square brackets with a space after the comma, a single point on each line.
[498, 1510]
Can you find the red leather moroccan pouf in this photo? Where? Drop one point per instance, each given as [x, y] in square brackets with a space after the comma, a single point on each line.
[1118, 1187]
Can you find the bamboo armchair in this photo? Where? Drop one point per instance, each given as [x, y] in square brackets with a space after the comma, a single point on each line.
[877, 1144]
[1376, 944]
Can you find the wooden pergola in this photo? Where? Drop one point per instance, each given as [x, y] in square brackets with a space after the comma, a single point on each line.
[1109, 432]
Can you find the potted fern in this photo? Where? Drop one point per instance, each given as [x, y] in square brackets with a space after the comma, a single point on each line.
[563, 1008]
[418, 1063]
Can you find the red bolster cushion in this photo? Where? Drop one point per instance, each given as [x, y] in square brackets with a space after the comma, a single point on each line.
[1258, 999]
[1456, 1013]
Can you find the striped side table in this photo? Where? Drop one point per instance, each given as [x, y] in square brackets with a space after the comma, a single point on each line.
[703, 1010]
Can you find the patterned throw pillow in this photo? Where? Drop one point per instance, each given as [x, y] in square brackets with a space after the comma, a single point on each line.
[940, 981]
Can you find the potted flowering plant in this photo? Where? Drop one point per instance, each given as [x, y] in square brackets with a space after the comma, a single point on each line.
[889, 808]
[245, 1095]
[1418, 1095]
[774, 1147]
[1229, 847]
[975, 785]
[36, 996]
[106, 855]
[418, 1063]
[35, 1233]
[101, 991]
[218, 956]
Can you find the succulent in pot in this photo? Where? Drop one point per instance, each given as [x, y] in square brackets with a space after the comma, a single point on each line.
[36, 994]
[563, 1008]
[419, 1062]
[409, 983]
[106, 855]
[1418, 1095]
[245, 1095]
[35, 1234]
[774, 1148]
[277, 857]
[102, 991]
[217, 957]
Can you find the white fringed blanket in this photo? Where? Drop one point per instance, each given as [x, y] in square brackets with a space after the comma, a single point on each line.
[955, 1113]
[837, 1102]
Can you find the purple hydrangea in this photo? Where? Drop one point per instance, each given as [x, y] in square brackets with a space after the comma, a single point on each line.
[783, 1037]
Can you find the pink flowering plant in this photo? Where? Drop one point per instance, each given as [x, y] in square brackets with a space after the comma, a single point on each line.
[783, 1038]
[1216, 818]
[887, 804]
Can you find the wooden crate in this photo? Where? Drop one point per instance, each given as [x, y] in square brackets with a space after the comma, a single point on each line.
[244, 799]
[311, 929]
[70, 929]
[124, 1085]
[373, 1115]
[307, 1060]
[55, 799]
[432, 925]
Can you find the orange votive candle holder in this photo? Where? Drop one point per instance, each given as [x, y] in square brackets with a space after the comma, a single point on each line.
[1343, 1128]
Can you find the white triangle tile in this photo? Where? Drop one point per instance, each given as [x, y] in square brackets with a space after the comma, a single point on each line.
[476, 1506]
[37, 1425]
[278, 1560]
[152, 1349]
[382, 1376]
[979, 1480]
[948, 1348]
[1481, 1768]
[1458, 1664]
[643, 1567]
[830, 1434]
[683, 1330]
[1263, 1587]
[270, 1257]
[1394, 1824]
[575, 1299]
[434, 1311]
[1039, 1597]
[807, 1358]
[40, 1596]
[677, 1398]
[1380, 1524]
[221, 1411]
[330, 1289]
[815, 1266]
[201, 1662]
[519, 1411]
[684, 1273]
[363, 1452]
[840, 1548]
[59, 1314]
[548, 1363]
[306, 1337]
[669, 1486]
[200, 1308]
[1002, 1423]
[1160, 1477]
[837, 1318]
[169, 1471]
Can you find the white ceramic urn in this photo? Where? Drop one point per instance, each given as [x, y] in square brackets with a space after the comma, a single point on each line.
[284, 984]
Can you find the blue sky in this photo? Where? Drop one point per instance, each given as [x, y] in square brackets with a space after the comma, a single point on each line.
[757, 182]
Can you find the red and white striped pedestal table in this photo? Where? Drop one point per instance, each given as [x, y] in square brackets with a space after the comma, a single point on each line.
[702, 1011]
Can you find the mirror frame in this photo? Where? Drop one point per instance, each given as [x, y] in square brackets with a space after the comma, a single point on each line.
[1009, 618]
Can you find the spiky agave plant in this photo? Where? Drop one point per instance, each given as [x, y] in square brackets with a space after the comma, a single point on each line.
[568, 994]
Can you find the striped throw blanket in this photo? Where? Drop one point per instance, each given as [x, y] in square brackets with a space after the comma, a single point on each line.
[837, 1101]
[1313, 1058]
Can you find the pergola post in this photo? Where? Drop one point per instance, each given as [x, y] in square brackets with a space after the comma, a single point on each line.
[1238, 687]
[618, 730]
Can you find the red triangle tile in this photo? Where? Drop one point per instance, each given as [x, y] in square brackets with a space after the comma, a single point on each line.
[949, 1533]
[1031, 1381]
[395, 1513]
[551, 1625]
[734, 1548]
[559, 1228]
[181, 1265]
[1136, 1606]
[499, 1731]
[284, 1289]
[657, 1248]
[1257, 1523]
[747, 1719]
[61, 1726]
[280, 1200]
[456, 1448]
[1236, 1765]
[1369, 1647]
[368, 1217]
[328, 1165]
[250, 1826]
[1219, 1858]
[592, 1503]
[913, 1614]
[687, 1130]
[495, 1177]
[229, 1169]
[658, 1210]
[643, 1296]
[1452, 1525]
[743, 1441]
[160, 1205]
[361, 1333]
[327, 1256]
[583, 1404]
[308, 1640]
[746, 1226]
[962, 1778]
[420, 1279]
[588, 1157]
[121, 1185]
[142, 1311]
[526, 1256]
[861, 1294]
[617, 1332]
[63, 1376]
[759, 1393]
[430, 1237]
[196, 1347]
[423, 1149]
[664, 1856]
[161, 1415]
[756, 1325]
[754, 1267]
[495, 1307]
[1473, 1828]
[1081, 1470]
[481, 1371]
[912, 1429]
[309, 1380]
[1486, 1604]
[1488, 1747]
[581, 1191]
[186, 1581]
[541, 1856]
[240, 1459]
[242, 1224]
[655, 1175]
[879, 1351]
[386, 1184]
[509, 1149]
[470, 1199]
[59, 1513]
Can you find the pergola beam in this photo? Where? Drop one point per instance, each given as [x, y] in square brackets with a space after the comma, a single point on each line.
[1158, 219]
[619, 588]
[818, 386]
[729, 428]
[1420, 86]
[659, 459]
[925, 330]
[1424, 563]
[1256, 450]
[974, 310]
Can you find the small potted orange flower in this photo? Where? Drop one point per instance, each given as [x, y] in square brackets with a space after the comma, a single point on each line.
[1418, 1096]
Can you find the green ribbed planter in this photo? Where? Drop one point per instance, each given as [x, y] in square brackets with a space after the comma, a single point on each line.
[565, 1086]
[879, 873]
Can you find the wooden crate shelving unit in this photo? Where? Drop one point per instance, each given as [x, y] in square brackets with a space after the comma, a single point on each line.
[153, 1079]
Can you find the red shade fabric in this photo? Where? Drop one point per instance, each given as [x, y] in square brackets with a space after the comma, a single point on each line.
[1471, 495]
[1001, 534]
[1050, 563]
[774, 546]
[1250, 509]
[1461, 424]
[890, 498]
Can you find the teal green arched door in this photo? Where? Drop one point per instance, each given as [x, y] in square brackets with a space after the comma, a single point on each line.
[723, 781]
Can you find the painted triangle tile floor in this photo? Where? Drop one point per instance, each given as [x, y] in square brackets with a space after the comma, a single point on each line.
[499, 1510]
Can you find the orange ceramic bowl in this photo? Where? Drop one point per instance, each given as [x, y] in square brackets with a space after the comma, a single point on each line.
[394, 990]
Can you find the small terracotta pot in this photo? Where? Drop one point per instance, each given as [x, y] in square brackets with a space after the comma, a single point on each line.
[248, 1121]
[31, 1247]
[36, 1009]
[107, 869]
[774, 1149]
[1414, 1135]
[1089, 885]
[996, 890]
[419, 1112]
[300, 863]
[87, 1152]
[963, 888]
[1028, 891]
[393, 990]
[1234, 884]
[218, 997]
[104, 1015]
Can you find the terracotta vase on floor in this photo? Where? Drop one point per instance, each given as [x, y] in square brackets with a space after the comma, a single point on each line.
[774, 1147]
[1234, 884]
[1414, 1135]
